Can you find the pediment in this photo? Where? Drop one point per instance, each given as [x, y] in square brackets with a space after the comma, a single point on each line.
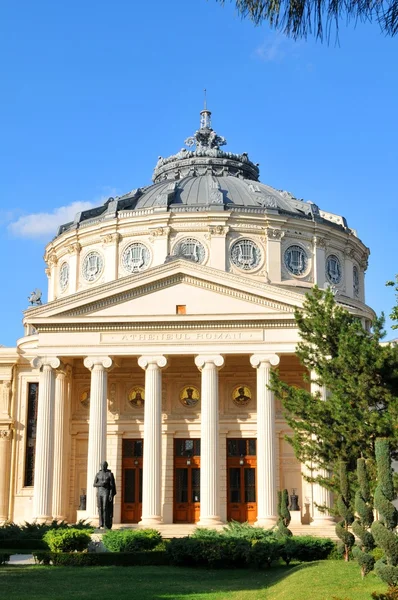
[157, 292]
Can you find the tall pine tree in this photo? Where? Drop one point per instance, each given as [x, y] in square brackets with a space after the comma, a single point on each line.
[362, 381]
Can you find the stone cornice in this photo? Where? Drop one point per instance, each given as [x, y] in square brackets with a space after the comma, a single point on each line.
[171, 326]
[152, 276]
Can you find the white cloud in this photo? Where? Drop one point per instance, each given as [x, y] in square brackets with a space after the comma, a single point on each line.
[275, 48]
[45, 224]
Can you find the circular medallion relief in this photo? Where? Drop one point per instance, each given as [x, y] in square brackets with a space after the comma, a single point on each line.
[245, 254]
[241, 395]
[136, 257]
[296, 260]
[191, 249]
[64, 276]
[85, 399]
[189, 396]
[333, 269]
[136, 397]
[93, 265]
[355, 277]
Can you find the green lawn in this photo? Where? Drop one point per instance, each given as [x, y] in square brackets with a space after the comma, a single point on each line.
[327, 580]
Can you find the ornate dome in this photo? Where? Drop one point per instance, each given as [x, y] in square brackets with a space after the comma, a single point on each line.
[205, 178]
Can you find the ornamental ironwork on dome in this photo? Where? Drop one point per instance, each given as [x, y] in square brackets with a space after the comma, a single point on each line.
[206, 157]
[204, 178]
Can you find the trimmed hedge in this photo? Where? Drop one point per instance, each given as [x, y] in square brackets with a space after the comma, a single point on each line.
[4, 558]
[67, 540]
[23, 544]
[131, 540]
[102, 559]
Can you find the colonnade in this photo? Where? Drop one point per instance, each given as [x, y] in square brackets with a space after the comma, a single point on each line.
[49, 473]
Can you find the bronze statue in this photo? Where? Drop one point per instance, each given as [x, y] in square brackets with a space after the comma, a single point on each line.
[106, 490]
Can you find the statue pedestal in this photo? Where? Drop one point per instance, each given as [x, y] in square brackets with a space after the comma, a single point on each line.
[81, 515]
[295, 517]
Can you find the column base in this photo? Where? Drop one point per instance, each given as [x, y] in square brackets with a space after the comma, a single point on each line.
[150, 521]
[322, 521]
[266, 522]
[209, 522]
[82, 515]
[43, 519]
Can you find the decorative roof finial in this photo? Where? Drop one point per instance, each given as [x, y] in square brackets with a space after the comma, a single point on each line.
[205, 115]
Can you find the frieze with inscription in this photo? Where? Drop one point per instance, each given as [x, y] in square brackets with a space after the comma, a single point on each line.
[184, 336]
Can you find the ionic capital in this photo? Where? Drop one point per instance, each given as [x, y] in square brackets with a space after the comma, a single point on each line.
[104, 362]
[158, 361]
[258, 359]
[64, 370]
[202, 359]
[41, 362]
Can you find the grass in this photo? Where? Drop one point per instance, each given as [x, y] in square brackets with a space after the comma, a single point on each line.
[326, 580]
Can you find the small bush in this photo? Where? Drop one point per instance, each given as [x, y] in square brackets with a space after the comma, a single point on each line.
[219, 552]
[67, 540]
[131, 540]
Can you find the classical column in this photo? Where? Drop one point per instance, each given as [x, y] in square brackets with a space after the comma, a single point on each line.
[267, 511]
[98, 366]
[43, 476]
[152, 461]
[60, 434]
[209, 446]
[5, 454]
[320, 495]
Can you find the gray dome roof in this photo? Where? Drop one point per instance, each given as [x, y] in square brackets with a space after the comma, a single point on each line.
[205, 178]
[206, 191]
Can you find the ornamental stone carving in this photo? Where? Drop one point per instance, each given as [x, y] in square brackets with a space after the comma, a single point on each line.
[275, 234]
[5, 434]
[319, 242]
[74, 248]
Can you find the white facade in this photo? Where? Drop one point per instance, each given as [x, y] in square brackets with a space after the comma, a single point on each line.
[179, 296]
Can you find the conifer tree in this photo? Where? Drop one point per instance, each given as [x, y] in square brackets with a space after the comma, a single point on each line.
[364, 510]
[361, 377]
[383, 530]
[284, 514]
[394, 312]
[345, 511]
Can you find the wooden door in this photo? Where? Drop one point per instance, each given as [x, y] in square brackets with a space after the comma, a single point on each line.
[241, 480]
[132, 481]
[186, 481]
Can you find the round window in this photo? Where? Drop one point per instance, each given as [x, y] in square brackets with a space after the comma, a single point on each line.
[64, 276]
[92, 266]
[333, 269]
[191, 249]
[245, 254]
[136, 257]
[296, 260]
[355, 277]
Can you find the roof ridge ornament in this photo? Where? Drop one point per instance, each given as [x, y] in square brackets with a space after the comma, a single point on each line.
[205, 138]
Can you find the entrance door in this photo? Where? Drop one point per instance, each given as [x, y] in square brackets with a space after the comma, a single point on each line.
[186, 481]
[132, 481]
[241, 465]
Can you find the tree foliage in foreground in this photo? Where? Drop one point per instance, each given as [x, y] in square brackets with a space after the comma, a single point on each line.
[299, 18]
[394, 312]
[361, 377]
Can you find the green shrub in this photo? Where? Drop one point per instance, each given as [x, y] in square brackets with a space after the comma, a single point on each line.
[131, 540]
[67, 540]
[245, 531]
[306, 548]
[102, 559]
[22, 544]
[36, 531]
[219, 552]
[365, 560]
[201, 533]
[264, 552]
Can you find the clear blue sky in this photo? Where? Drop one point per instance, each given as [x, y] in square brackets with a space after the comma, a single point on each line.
[93, 92]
